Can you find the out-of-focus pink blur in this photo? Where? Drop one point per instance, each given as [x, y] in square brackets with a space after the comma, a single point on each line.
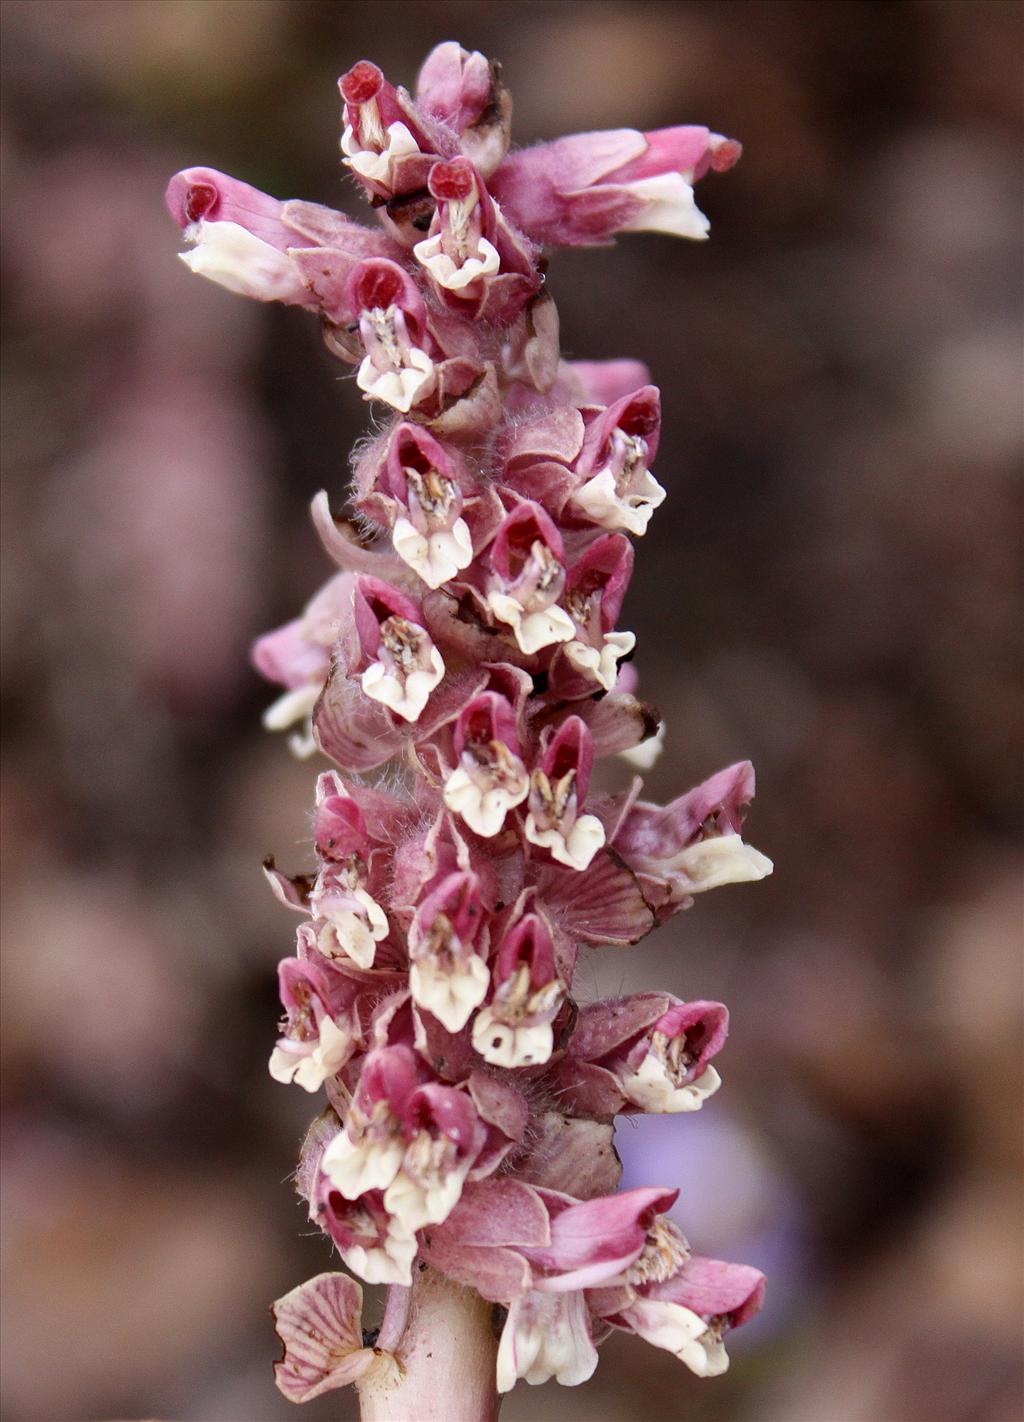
[829, 589]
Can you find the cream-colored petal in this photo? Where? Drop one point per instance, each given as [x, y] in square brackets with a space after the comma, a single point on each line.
[452, 277]
[533, 630]
[506, 1046]
[652, 1088]
[369, 1165]
[576, 849]
[436, 557]
[451, 997]
[234, 258]
[670, 207]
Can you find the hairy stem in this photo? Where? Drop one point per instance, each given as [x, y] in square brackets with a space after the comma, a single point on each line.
[445, 1357]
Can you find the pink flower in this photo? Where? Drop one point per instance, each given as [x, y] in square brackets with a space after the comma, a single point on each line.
[404, 665]
[370, 1239]
[647, 1052]
[419, 492]
[257, 246]
[687, 1311]
[595, 588]
[489, 778]
[514, 1029]
[448, 972]
[474, 260]
[321, 1032]
[558, 789]
[398, 367]
[615, 487]
[581, 191]
[506, 1238]
[526, 579]
[410, 1138]
[240, 240]
[693, 844]
[298, 655]
[385, 142]
[464, 92]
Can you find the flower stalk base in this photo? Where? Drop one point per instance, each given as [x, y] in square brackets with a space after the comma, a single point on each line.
[443, 1369]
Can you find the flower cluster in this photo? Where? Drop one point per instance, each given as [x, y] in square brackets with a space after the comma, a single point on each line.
[469, 641]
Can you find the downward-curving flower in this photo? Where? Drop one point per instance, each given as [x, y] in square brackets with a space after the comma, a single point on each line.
[448, 976]
[515, 1029]
[617, 488]
[404, 665]
[526, 579]
[489, 778]
[392, 324]
[648, 1052]
[694, 844]
[558, 788]
[583, 190]
[468, 654]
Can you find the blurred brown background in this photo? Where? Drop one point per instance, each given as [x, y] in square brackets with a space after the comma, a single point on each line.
[830, 589]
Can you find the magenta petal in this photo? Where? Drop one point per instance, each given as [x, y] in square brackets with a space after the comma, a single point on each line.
[389, 1074]
[339, 829]
[593, 1240]
[713, 1289]
[578, 160]
[605, 381]
[705, 1026]
[375, 601]
[444, 1111]
[606, 568]
[526, 523]
[528, 941]
[488, 717]
[638, 413]
[669, 150]
[195, 194]
[454, 86]
[297, 978]
[320, 1325]
[658, 833]
[570, 749]
[377, 283]
[548, 190]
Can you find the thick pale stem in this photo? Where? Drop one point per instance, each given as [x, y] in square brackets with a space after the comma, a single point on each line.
[444, 1369]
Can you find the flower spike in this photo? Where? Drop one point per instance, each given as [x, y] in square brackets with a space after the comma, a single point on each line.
[468, 653]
